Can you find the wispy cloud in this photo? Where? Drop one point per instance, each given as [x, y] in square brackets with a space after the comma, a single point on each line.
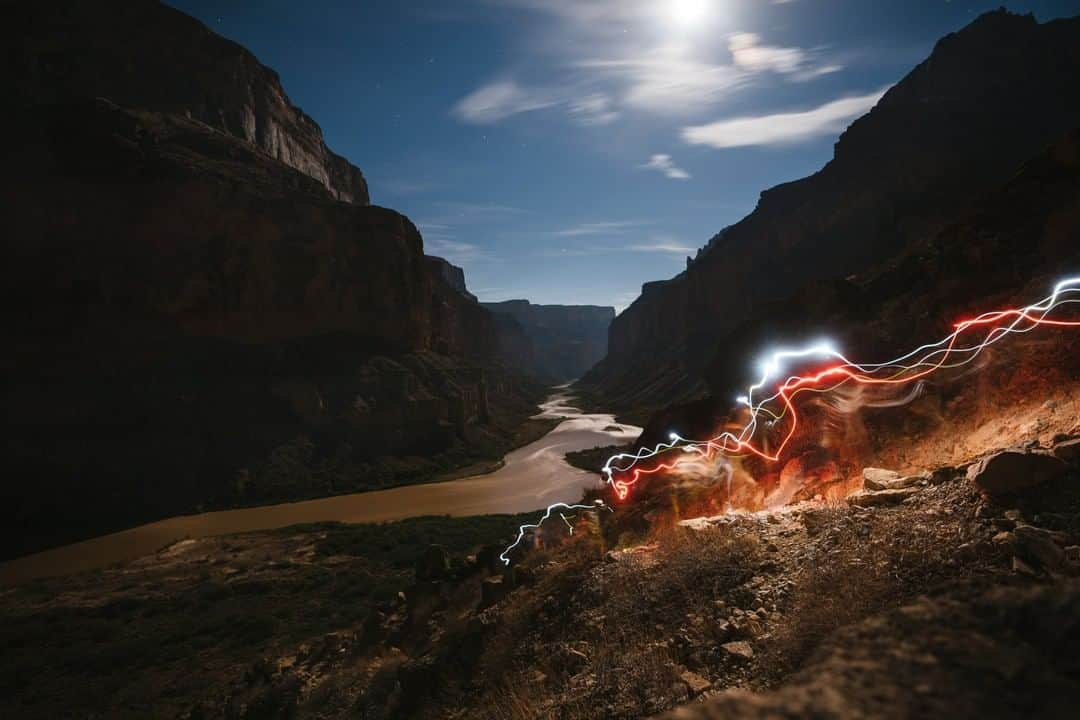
[611, 227]
[440, 240]
[664, 244]
[453, 250]
[750, 54]
[663, 163]
[593, 109]
[661, 244]
[455, 213]
[666, 79]
[607, 59]
[499, 100]
[782, 128]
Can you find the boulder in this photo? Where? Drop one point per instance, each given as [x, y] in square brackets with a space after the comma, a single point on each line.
[877, 478]
[907, 481]
[1008, 472]
[881, 498]
[1040, 548]
[738, 650]
[695, 682]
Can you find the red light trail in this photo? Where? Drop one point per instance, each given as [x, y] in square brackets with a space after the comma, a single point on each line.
[969, 338]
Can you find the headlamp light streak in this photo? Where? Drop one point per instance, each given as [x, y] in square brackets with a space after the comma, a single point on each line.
[623, 471]
[596, 505]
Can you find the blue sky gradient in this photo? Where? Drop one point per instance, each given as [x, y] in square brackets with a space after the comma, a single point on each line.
[566, 151]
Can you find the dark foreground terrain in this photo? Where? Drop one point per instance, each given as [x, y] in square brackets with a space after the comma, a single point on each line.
[948, 592]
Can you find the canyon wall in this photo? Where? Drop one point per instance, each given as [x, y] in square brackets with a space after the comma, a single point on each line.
[567, 340]
[450, 275]
[989, 97]
[143, 54]
[194, 318]
[1006, 249]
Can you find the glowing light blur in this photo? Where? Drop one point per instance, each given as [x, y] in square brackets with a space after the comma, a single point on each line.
[687, 13]
[624, 470]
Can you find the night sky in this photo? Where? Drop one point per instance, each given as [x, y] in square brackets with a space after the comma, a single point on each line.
[566, 151]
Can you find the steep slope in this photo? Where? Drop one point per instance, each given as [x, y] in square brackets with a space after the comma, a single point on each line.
[989, 96]
[567, 340]
[462, 326]
[1008, 247]
[194, 321]
[141, 53]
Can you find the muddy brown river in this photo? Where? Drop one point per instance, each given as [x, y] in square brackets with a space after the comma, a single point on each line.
[533, 476]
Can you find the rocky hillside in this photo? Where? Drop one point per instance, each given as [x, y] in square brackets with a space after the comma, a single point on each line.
[143, 54]
[1006, 248]
[989, 97]
[567, 340]
[910, 605]
[195, 319]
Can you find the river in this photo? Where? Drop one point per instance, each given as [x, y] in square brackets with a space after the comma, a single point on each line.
[533, 476]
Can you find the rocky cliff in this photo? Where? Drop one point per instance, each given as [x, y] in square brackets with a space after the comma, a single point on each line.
[450, 275]
[989, 97]
[194, 321]
[1007, 248]
[567, 340]
[461, 326]
[143, 54]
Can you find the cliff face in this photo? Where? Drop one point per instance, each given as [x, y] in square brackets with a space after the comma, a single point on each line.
[195, 322]
[567, 340]
[140, 53]
[120, 212]
[461, 326]
[450, 275]
[990, 96]
[1006, 249]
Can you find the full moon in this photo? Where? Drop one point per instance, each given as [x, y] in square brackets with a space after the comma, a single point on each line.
[687, 12]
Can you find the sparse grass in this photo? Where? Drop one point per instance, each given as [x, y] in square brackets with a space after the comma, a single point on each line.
[862, 565]
[167, 637]
[604, 638]
[398, 544]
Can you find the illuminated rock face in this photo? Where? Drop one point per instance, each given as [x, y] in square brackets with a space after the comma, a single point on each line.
[954, 128]
[85, 49]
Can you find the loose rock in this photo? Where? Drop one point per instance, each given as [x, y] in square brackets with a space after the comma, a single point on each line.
[695, 682]
[877, 478]
[882, 497]
[1037, 548]
[739, 650]
[1008, 472]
